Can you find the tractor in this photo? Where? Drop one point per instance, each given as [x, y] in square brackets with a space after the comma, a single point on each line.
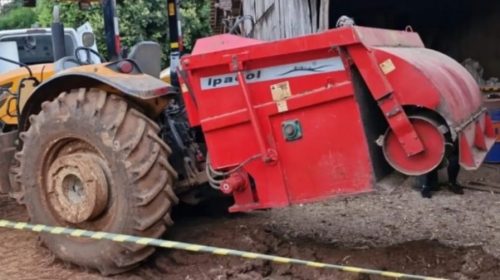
[109, 140]
[26, 61]
[112, 147]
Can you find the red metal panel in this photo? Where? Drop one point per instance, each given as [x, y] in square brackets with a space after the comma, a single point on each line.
[389, 103]
[426, 78]
[221, 43]
[190, 102]
[325, 162]
[241, 120]
[265, 52]
[434, 80]
[476, 140]
[374, 37]
[233, 116]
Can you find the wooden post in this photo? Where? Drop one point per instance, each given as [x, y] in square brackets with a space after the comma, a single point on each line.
[324, 15]
[279, 19]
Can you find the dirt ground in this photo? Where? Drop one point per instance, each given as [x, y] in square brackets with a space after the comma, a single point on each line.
[452, 236]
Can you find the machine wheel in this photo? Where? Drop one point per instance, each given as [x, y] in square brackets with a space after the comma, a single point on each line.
[90, 161]
[434, 147]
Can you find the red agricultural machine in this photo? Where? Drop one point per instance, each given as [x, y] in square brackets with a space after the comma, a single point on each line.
[316, 116]
[111, 147]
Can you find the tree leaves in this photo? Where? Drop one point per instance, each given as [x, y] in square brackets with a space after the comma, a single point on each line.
[195, 21]
[139, 20]
[14, 16]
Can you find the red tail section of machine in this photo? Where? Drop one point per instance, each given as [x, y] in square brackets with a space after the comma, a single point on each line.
[295, 106]
[424, 78]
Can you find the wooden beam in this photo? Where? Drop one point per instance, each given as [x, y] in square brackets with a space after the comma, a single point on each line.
[279, 19]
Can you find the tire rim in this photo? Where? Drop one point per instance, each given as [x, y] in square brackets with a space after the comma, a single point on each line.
[76, 186]
[434, 147]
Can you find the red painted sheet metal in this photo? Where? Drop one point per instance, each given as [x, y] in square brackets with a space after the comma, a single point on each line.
[476, 138]
[221, 43]
[427, 78]
[323, 163]
[332, 156]
[375, 37]
[221, 56]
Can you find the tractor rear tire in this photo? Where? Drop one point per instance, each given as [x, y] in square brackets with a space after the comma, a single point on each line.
[91, 161]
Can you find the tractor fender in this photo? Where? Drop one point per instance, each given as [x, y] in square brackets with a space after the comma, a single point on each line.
[141, 89]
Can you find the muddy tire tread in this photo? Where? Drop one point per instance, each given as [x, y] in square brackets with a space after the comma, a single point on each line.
[152, 203]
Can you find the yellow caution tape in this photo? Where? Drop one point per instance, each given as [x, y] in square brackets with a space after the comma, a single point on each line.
[202, 248]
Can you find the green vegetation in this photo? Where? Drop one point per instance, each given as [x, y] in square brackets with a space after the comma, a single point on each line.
[195, 15]
[139, 20]
[15, 16]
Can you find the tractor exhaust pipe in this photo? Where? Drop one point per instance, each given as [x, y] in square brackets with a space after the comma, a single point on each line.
[175, 36]
[58, 44]
[111, 29]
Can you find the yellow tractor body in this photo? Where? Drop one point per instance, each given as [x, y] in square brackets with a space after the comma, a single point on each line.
[105, 146]
[11, 82]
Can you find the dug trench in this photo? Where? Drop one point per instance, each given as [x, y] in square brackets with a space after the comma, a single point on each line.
[451, 236]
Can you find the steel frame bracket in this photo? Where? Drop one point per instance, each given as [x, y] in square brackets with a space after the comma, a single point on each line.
[382, 92]
[268, 154]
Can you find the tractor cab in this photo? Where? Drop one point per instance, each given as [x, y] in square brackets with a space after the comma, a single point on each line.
[31, 56]
[35, 46]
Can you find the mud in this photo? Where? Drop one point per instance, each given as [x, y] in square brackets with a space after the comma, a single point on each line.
[452, 236]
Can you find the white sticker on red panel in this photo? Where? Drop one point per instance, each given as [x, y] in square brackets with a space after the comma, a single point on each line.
[304, 68]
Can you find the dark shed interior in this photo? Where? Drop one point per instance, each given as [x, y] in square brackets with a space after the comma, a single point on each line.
[460, 28]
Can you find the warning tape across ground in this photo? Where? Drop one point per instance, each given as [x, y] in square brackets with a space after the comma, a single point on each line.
[99, 235]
